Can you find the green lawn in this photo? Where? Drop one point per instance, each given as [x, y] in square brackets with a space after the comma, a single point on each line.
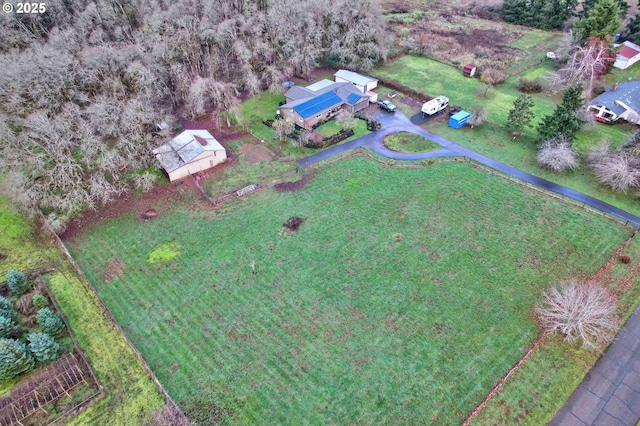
[260, 107]
[131, 395]
[409, 142]
[403, 298]
[493, 138]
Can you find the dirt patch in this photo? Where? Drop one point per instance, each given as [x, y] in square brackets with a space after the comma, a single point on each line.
[113, 268]
[292, 186]
[2, 257]
[255, 153]
[149, 214]
[293, 224]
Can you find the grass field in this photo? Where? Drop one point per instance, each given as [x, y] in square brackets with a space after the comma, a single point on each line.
[403, 298]
[493, 138]
[409, 142]
[131, 395]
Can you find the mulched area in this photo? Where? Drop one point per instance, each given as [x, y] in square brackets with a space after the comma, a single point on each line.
[292, 186]
[293, 223]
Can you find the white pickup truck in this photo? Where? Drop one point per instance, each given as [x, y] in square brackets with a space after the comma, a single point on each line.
[435, 105]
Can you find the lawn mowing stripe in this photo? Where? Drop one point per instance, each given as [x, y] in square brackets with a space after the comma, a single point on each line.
[386, 300]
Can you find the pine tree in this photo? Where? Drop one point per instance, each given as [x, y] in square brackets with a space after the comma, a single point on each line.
[587, 5]
[14, 358]
[5, 303]
[43, 347]
[49, 322]
[563, 122]
[601, 21]
[545, 14]
[632, 32]
[521, 115]
[8, 327]
[17, 282]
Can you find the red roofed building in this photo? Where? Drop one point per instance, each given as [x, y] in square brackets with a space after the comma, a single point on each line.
[627, 56]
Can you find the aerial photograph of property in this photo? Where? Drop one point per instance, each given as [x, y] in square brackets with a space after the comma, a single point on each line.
[319, 212]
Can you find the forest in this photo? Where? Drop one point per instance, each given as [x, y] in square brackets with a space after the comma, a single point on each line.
[86, 84]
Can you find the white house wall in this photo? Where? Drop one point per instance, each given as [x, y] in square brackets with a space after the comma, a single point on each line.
[204, 161]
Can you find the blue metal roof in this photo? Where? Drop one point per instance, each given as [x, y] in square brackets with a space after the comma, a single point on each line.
[460, 115]
[317, 104]
[353, 98]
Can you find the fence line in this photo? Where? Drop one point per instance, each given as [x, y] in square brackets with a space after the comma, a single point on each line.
[108, 313]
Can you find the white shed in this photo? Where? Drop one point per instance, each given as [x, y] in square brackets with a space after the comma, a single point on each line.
[190, 152]
[627, 56]
[364, 83]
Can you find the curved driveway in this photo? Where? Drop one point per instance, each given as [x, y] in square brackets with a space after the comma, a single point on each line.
[398, 122]
[610, 393]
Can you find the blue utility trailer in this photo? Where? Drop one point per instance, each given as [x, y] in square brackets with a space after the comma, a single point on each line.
[459, 119]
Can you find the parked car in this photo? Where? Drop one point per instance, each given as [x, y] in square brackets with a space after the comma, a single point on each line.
[387, 106]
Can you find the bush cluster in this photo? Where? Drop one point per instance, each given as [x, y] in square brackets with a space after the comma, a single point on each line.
[331, 140]
[529, 86]
[372, 125]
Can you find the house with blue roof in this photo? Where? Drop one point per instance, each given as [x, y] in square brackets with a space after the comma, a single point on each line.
[621, 101]
[306, 106]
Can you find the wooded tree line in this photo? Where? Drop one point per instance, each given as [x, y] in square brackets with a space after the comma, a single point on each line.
[84, 84]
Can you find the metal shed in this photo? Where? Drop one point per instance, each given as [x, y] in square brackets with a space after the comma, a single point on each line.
[459, 119]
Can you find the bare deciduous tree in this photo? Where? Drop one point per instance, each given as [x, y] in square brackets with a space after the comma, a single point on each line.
[557, 154]
[581, 312]
[587, 62]
[618, 170]
[283, 128]
[478, 116]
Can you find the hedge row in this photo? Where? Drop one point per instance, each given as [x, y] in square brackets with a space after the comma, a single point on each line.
[331, 140]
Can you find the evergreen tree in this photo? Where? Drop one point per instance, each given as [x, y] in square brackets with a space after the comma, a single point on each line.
[563, 122]
[5, 303]
[8, 328]
[545, 14]
[43, 348]
[601, 21]
[587, 5]
[49, 322]
[632, 32]
[14, 358]
[17, 282]
[521, 114]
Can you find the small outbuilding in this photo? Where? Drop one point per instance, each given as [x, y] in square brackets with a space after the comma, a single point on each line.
[190, 152]
[627, 56]
[459, 120]
[469, 70]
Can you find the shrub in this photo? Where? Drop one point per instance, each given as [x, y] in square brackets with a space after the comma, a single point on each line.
[43, 348]
[478, 116]
[484, 90]
[8, 327]
[625, 259]
[556, 154]
[581, 312]
[17, 282]
[619, 171]
[9, 313]
[529, 86]
[331, 140]
[39, 301]
[493, 77]
[14, 358]
[5, 303]
[49, 322]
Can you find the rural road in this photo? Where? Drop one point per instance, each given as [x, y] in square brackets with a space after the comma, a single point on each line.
[610, 393]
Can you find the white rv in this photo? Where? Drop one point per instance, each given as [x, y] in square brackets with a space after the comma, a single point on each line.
[435, 105]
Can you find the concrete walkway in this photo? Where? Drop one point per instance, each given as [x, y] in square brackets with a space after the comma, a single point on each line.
[398, 122]
[610, 393]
